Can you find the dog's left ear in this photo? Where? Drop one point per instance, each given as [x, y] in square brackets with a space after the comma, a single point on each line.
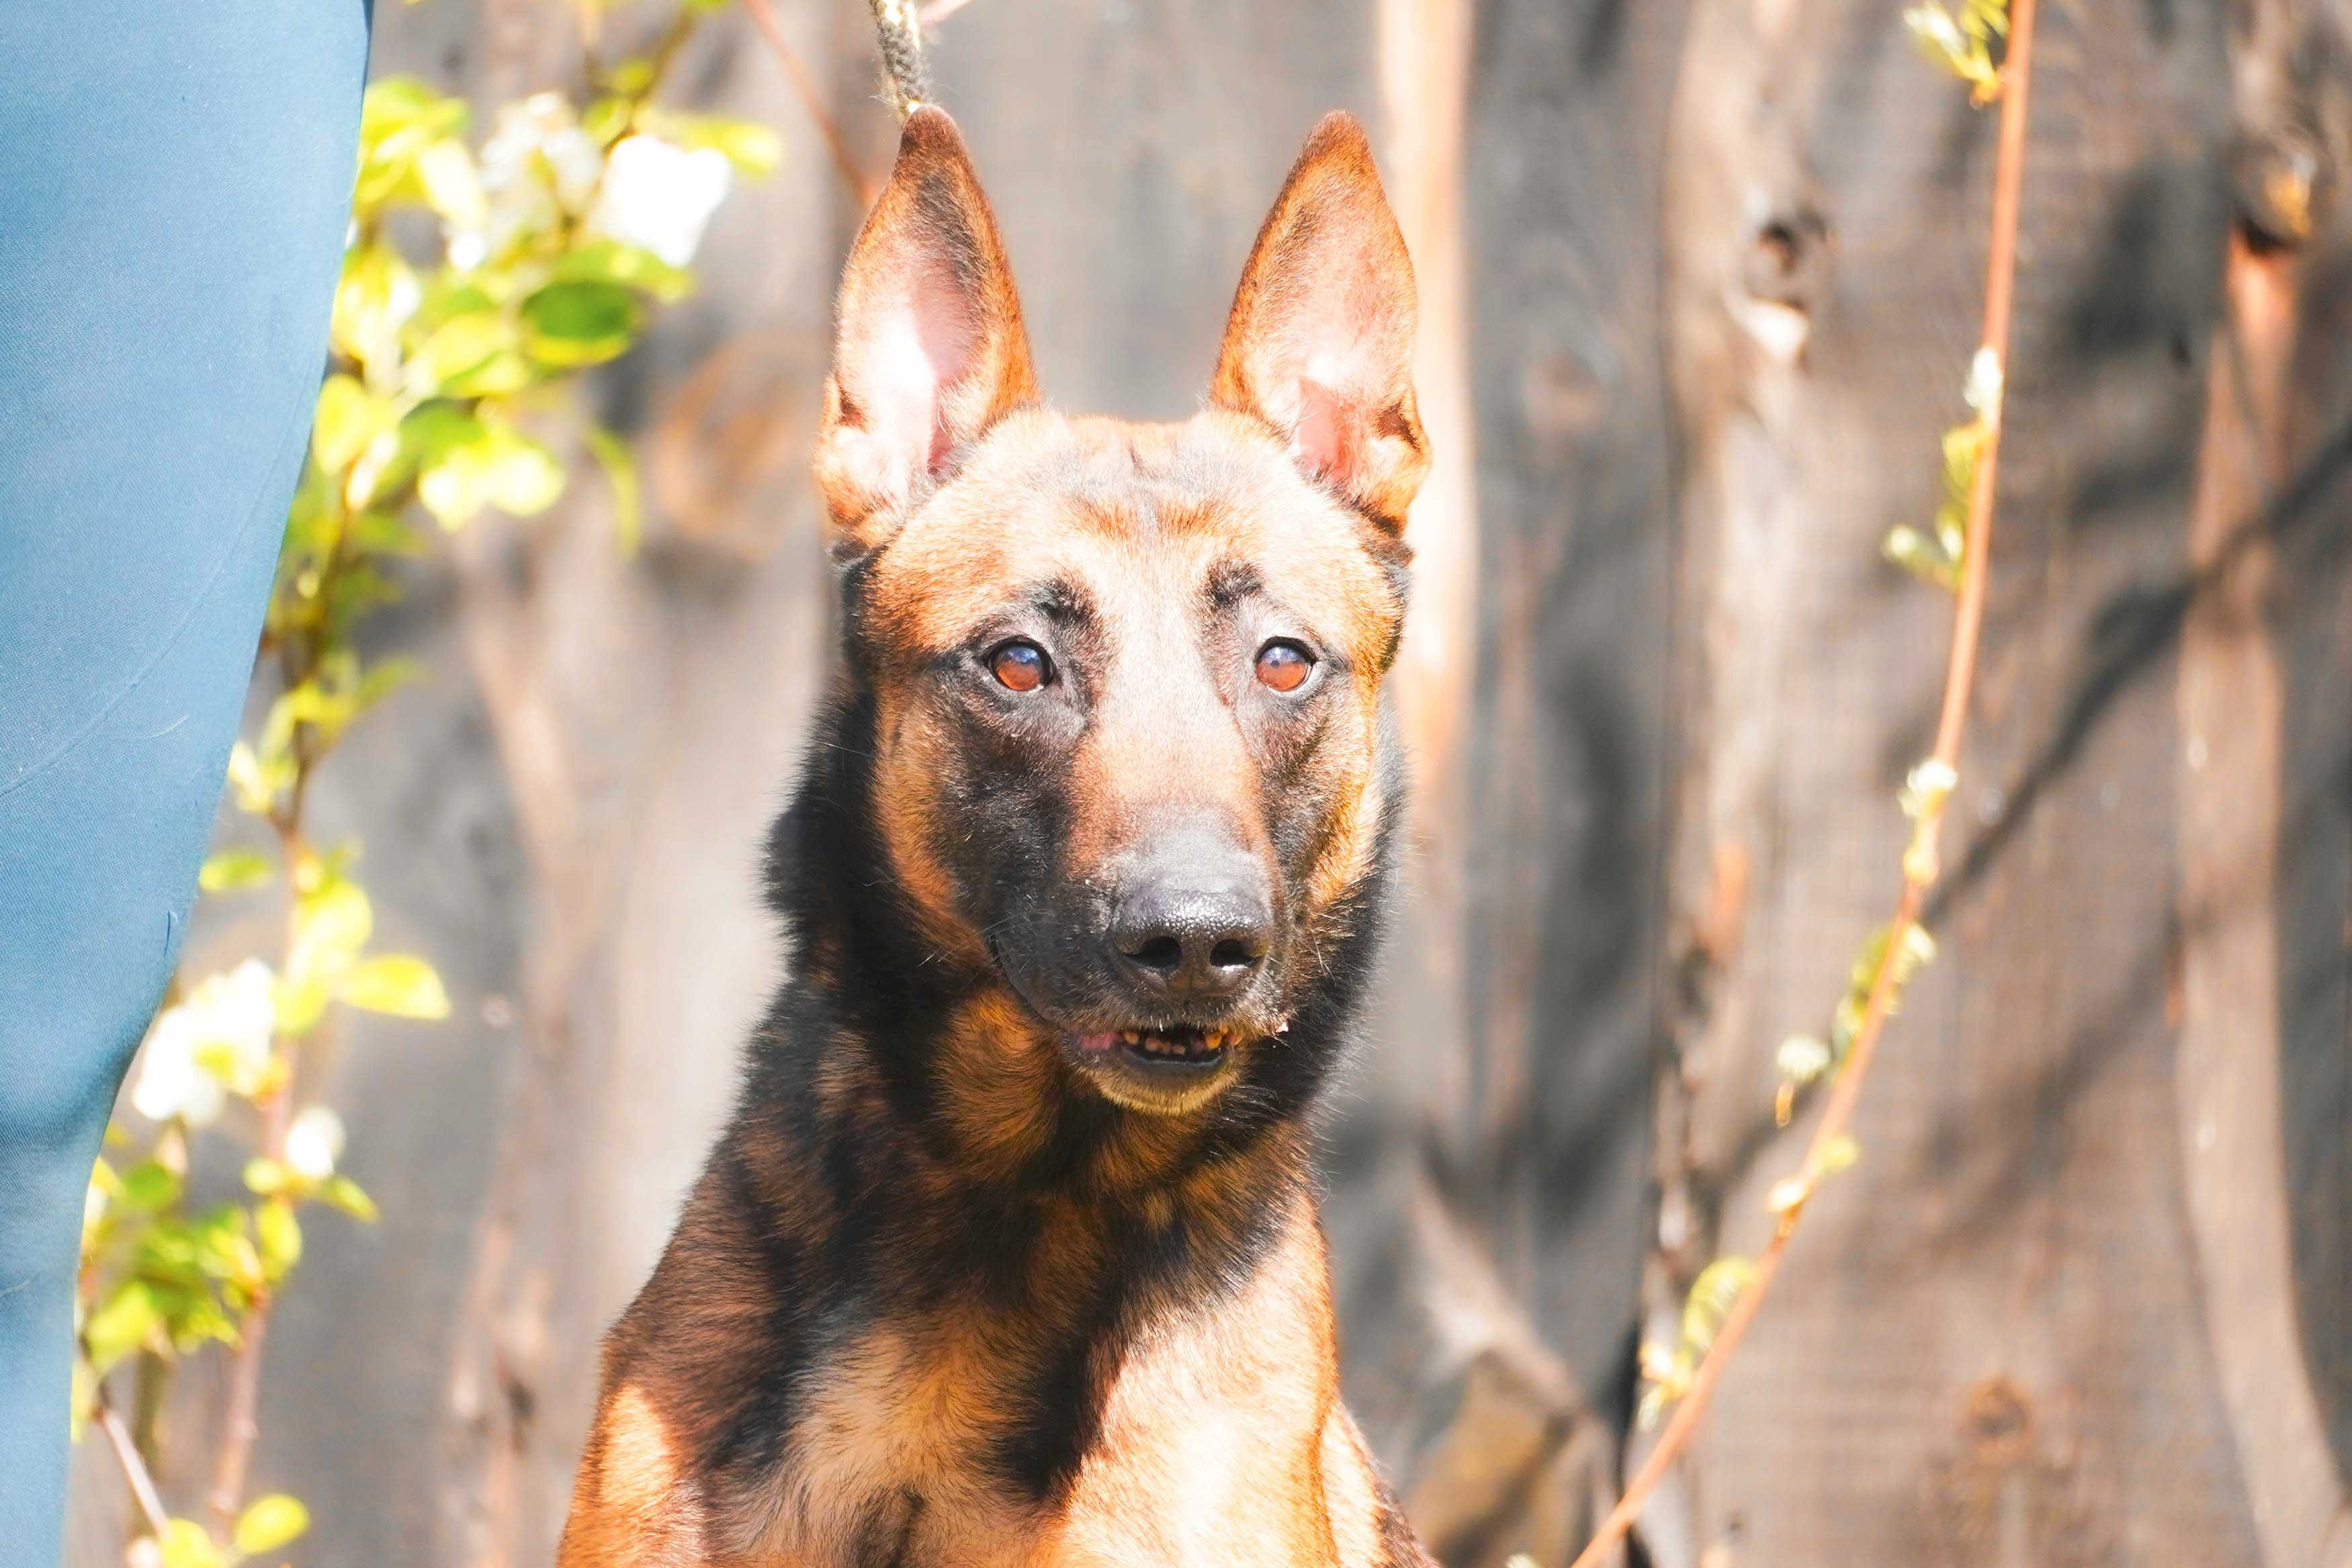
[1319, 344]
[929, 350]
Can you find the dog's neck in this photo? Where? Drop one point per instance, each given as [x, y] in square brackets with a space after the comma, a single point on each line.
[1006, 1309]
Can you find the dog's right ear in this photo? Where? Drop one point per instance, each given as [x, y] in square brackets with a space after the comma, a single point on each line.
[929, 351]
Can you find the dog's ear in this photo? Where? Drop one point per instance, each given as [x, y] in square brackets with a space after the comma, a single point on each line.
[1319, 344]
[929, 351]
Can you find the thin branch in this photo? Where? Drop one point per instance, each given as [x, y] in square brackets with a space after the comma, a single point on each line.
[1920, 870]
[763, 16]
[241, 1418]
[666, 52]
[134, 1467]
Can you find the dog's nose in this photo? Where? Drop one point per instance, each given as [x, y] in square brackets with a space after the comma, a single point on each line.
[1194, 924]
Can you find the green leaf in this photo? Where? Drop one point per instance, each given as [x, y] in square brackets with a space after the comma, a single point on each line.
[620, 465]
[601, 260]
[257, 783]
[1928, 558]
[121, 1325]
[335, 917]
[446, 177]
[330, 925]
[452, 294]
[278, 1236]
[399, 983]
[522, 476]
[399, 105]
[579, 323]
[508, 370]
[342, 1193]
[606, 119]
[470, 349]
[82, 1401]
[185, 1545]
[146, 1187]
[221, 1245]
[1963, 44]
[378, 293]
[234, 871]
[324, 703]
[500, 467]
[385, 533]
[348, 417]
[385, 677]
[269, 1523]
[1712, 1296]
[433, 430]
[406, 134]
[752, 147]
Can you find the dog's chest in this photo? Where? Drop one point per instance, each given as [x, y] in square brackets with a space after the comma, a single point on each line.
[1205, 1446]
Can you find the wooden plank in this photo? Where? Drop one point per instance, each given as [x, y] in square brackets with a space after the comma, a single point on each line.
[1568, 742]
[1990, 1345]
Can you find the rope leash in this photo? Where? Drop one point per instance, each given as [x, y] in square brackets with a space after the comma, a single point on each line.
[899, 30]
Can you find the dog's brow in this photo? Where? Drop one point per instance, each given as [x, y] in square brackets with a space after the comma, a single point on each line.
[1231, 581]
[1062, 602]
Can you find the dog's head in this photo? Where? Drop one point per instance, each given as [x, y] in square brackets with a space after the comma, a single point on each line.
[1128, 755]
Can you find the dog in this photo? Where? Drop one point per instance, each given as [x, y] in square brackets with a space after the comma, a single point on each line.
[1009, 1253]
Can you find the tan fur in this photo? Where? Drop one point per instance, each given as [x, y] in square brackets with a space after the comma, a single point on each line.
[631, 1503]
[1180, 1474]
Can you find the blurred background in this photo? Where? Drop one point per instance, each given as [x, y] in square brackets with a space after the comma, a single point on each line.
[1701, 279]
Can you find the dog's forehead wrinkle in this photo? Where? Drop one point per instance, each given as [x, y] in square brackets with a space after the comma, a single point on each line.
[1167, 528]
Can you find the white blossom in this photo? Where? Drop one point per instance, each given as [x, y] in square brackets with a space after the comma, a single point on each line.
[314, 1142]
[537, 165]
[217, 1040]
[659, 196]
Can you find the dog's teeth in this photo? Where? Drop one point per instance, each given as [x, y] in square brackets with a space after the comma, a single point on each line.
[1131, 1037]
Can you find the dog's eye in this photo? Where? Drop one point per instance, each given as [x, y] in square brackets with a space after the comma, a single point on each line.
[1020, 665]
[1283, 666]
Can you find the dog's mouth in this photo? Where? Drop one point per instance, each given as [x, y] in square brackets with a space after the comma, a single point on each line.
[1162, 1070]
[1185, 1048]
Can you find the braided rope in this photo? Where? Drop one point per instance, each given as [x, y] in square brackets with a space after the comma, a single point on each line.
[898, 29]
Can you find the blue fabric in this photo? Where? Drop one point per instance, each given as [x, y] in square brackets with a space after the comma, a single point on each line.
[175, 180]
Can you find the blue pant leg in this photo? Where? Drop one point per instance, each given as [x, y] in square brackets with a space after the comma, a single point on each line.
[175, 180]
